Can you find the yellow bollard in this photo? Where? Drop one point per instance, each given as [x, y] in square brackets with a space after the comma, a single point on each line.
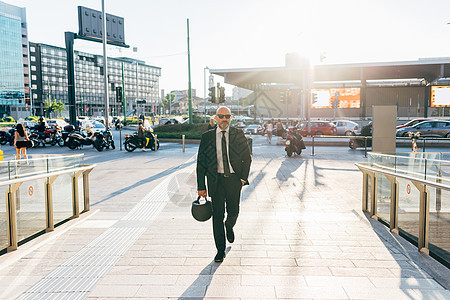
[1, 155]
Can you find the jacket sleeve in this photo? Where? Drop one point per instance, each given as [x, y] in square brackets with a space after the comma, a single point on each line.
[201, 165]
[245, 156]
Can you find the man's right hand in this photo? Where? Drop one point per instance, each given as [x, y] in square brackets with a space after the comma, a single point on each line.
[202, 193]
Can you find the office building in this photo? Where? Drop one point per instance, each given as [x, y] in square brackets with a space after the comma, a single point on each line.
[49, 82]
[14, 71]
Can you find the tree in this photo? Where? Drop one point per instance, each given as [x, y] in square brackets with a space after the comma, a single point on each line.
[58, 106]
[167, 101]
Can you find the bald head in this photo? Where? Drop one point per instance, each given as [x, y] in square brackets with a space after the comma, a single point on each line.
[223, 117]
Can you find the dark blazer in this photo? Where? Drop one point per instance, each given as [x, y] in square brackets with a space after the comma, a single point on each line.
[240, 158]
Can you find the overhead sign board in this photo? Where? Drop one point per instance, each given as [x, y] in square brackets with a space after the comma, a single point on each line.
[348, 97]
[440, 96]
[90, 24]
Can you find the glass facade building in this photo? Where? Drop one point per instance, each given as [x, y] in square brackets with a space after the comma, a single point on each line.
[49, 81]
[14, 72]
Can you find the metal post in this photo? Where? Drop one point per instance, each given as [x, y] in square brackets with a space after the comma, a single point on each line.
[365, 147]
[69, 38]
[423, 150]
[182, 139]
[438, 191]
[49, 203]
[423, 217]
[123, 100]
[120, 136]
[393, 219]
[11, 217]
[191, 121]
[156, 142]
[137, 90]
[373, 212]
[204, 95]
[87, 205]
[105, 66]
[364, 191]
[313, 154]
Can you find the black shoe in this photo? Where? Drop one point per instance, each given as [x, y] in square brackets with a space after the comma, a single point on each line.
[219, 256]
[230, 234]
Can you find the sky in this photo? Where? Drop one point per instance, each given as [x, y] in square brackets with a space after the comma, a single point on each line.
[227, 34]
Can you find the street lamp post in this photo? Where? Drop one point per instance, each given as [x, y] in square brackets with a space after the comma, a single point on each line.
[204, 95]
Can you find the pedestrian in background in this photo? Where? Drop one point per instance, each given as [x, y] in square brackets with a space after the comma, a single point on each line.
[224, 159]
[269, 131]
[20, 141]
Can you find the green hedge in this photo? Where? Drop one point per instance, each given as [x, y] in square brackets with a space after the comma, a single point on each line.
[178, 128]
[191, 135]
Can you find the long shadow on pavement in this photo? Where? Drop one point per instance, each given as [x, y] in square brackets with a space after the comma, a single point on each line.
[144, 181]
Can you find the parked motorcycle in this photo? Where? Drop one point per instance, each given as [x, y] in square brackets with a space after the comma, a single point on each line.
[132, 142]
[104, 140]
[294, 144]
[51, 136]
[5, 137]
[78, 139]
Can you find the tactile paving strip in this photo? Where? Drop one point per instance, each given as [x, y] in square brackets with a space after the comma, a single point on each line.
[76, 277]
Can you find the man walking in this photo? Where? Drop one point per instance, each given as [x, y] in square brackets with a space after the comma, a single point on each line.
[224, 159]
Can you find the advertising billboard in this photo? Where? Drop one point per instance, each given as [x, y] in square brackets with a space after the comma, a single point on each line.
[440, 96]
[347, 97]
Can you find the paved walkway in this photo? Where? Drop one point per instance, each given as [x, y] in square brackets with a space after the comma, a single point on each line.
[301, 234]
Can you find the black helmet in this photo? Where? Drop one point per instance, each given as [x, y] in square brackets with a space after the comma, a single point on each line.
[201, 211]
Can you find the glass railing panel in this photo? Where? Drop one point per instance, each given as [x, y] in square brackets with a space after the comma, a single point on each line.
[58, 163]
[30, 208]
[383, 197]
[408, 207]
[4, 170]
[411, 166]
[439, 223]
[62, 198]
[3, 225]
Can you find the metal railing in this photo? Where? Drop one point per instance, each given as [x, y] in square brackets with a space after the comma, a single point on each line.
[421, 141]
[419, 201]
[31, 211]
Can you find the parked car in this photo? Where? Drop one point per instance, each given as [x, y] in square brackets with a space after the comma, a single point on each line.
[428, 129]
[57, 122]
[29, 124]
[413, 122]
[346, 127]
[318, 128]
[167, 121]
[252, 129]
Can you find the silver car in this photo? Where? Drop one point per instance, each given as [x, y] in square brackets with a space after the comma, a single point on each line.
[346, 127]
[428, 129]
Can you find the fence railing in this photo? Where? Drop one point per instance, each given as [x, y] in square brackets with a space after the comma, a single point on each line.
[38, 200]
[412, 196]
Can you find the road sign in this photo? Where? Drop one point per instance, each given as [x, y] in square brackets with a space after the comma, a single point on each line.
[30, 190]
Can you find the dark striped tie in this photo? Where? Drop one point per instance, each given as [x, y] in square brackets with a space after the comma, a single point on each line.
[226, 165]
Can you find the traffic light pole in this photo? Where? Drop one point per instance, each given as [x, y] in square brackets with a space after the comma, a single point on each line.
[69, 37]
[189, 74]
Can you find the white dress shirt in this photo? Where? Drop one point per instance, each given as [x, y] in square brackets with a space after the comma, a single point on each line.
[219, 149]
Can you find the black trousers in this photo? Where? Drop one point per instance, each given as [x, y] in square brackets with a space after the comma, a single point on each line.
[227, 196]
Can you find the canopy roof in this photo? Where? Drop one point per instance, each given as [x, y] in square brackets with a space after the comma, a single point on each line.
[250, 78]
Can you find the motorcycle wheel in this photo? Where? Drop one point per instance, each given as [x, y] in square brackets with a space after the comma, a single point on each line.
[72, 144]
[289, 152]
[98, 144]
[352, 144]
[11, 142]
[129, 147]
[112, 145]
[61, 142]
[3, 141]
[299, 151]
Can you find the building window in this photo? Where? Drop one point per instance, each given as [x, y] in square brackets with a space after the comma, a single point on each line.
[32, 49]
[32, 58]
[33, 77]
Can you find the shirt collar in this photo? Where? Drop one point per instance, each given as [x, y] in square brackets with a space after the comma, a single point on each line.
[218, 130]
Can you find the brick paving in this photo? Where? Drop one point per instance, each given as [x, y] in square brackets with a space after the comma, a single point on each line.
[300, 235]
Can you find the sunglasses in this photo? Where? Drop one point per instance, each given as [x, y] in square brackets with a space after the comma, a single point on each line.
[223, 116]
